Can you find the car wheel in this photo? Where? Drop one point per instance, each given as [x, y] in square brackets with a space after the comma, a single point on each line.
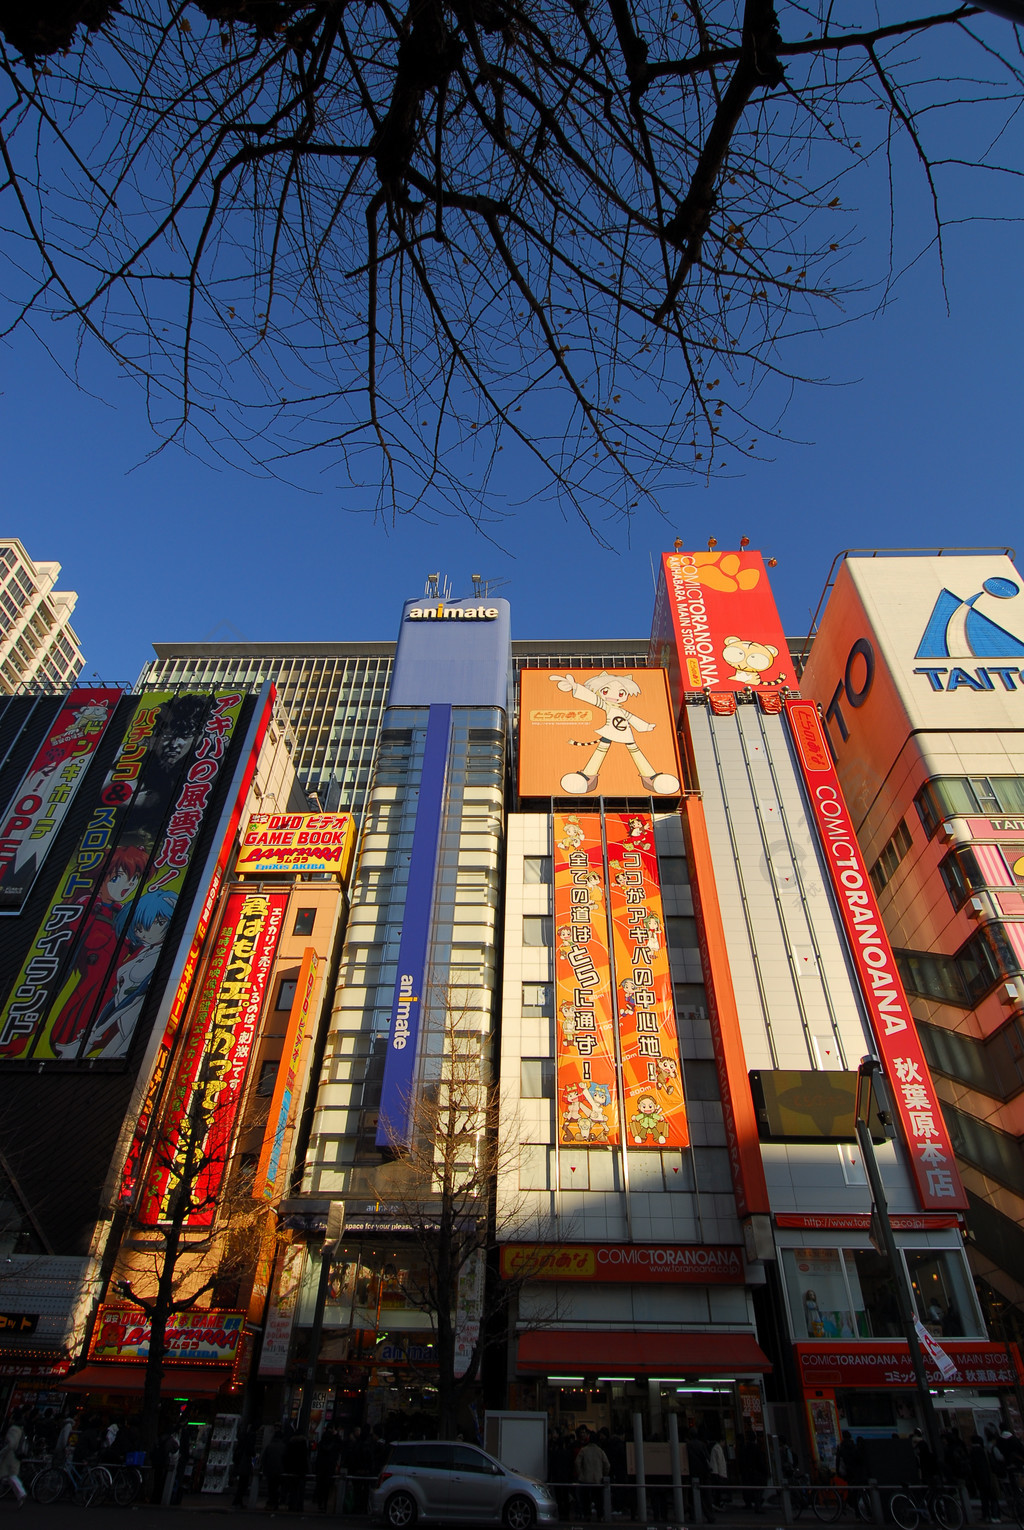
[519, 1514]
[400, 1511]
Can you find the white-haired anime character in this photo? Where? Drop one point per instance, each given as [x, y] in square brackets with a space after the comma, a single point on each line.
[607, 693]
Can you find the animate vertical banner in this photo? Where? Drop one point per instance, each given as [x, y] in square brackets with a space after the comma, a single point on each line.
[47, 789]
[276, 1152]
[654, 1109]
[899, 1046]
[585, 1045]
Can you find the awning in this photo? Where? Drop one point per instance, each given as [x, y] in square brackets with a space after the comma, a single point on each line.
[181, 1381]
[596, 1352]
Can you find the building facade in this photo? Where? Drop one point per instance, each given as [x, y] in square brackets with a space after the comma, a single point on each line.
[38, 645]
[917, 667]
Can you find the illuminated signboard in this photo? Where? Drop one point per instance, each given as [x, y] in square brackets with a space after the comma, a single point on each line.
[704, 1264]
[275, 843]
[205, 1336]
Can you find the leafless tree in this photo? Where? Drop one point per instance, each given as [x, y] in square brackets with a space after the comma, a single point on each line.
[441, 1188]
[204, 1231]
[402, 240]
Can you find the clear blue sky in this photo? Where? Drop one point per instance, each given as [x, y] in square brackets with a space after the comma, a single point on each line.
[916, 440]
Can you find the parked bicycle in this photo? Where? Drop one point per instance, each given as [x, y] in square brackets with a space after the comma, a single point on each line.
[87, 1485]
[908, 1506]
[825, 1503]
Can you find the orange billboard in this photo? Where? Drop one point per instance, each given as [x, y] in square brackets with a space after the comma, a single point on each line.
[653, 1106]
[606, 733]
[715, 624]
[584, 1030]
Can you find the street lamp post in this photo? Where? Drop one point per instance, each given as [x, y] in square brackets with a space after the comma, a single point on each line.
[332, 1237]
[882, 1232]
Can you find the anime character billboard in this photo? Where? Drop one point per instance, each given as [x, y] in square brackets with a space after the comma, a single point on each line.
[87, 974]
[41, 800]
[716, 627]
[605, 733]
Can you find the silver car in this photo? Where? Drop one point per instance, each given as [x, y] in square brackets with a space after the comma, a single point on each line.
[446, 1480]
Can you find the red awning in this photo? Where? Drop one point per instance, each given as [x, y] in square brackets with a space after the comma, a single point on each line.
[597, 1352]
[181, 1381]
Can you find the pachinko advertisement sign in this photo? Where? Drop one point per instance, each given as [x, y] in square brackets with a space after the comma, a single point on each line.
[204, 1099]
[296, 842]
[57, 994]
[715, 623]
[47, 789]
[276, 1154]
[207, 1336]
[899, 1047]
[653, 1106]
[606, 733]
[585, 1039]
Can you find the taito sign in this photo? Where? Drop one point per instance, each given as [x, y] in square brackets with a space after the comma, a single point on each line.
[715, 624]
[899, 1046]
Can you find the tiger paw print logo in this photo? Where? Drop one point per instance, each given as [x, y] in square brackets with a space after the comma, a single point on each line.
[721, 571]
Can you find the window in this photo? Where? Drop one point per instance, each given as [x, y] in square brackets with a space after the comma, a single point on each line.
[983, 960]
[305, 918]
[995, 1066]
[851, 1293]
[267, 1079]
[953, 874]
[892, 853]
[537, 930]
[673, 870]
[948, 796]
[534, 1158]
[537, 1078]
[286, 993]
[538, 1001]
[537, 870]
[681, 932]
[701, 1080]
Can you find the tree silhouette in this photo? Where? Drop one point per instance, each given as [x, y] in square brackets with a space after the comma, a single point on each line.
[399, 240]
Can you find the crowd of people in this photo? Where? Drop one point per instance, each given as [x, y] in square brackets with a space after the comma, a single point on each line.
[988, 1466]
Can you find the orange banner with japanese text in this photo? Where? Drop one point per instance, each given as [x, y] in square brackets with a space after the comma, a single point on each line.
[585, 1039]
[653, 1104]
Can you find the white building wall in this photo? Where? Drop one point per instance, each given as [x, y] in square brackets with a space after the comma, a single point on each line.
[797, 1000]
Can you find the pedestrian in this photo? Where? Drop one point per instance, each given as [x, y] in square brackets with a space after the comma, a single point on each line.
[590, 1469]
[984, 1482]
[718, 1471]
[700, 1472]
[328, 1457]
[10, 1456]
[296, 1464]
[272, 1466]
[244, 1462]
[753, 1466]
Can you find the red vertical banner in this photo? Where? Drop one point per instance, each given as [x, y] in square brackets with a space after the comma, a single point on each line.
[585, 1040]
[654, 1109]
[895, 1034]
[207, 1088]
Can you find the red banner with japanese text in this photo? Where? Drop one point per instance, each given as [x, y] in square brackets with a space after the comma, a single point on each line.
[44, 795]
[895, 1034]
[653, 1104]
[194, 1139]
[585, 1041]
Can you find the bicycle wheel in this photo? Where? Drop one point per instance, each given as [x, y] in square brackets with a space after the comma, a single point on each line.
[95, 1487]
[904, 1511]
[128, 1486]
[947, 1510]
[798, 1501]
[48, 1485]
[863, 1508]
[827, 1504]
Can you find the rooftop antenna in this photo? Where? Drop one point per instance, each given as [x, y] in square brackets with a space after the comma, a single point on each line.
[482, 587]
[438, 586]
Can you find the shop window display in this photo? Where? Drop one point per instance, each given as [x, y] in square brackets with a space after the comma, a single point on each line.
[851, 1293]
